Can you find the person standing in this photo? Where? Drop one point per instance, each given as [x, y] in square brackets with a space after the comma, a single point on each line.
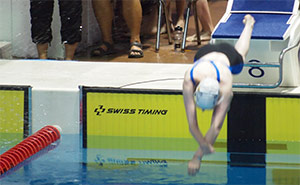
[132, 12]
[41, 12]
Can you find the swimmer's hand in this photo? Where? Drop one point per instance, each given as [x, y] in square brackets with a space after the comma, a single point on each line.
[194, 165]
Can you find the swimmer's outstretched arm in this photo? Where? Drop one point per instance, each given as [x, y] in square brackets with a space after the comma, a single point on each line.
[219, 115]
[243, 43]
[190, 109]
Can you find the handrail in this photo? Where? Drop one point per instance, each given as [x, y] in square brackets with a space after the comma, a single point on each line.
[277, 84]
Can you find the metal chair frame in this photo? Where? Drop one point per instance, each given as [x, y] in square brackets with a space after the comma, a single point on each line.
[162, 7]
[191, 5]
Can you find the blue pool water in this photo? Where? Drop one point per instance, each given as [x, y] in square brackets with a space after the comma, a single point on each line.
[66, 163]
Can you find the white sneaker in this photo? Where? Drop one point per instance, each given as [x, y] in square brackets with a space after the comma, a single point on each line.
[204, 36]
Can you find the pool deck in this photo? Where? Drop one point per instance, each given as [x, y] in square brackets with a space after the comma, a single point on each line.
[55, 84]
[68, 76]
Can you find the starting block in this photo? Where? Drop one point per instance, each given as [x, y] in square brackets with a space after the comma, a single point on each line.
[273, 57]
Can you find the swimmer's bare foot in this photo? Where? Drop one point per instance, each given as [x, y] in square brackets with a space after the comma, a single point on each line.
[194, 165]
[249, 20]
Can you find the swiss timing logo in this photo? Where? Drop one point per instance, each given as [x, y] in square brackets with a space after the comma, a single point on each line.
[100, 110]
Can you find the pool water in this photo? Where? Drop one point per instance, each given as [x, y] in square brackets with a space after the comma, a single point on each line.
[66, 163]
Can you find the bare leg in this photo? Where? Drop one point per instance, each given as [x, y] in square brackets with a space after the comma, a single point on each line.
[180, 8]
[132, 12]
[70, 50]
[169, 17]
[103, 10]
[205, 20]
[169, 8]
[204, 16]
[42, 50]
[243, 43]
[149, 23]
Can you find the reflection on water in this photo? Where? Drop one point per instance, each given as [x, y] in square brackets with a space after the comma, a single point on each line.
[67, 163]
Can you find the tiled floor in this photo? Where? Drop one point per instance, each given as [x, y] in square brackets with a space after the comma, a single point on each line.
[166, 53]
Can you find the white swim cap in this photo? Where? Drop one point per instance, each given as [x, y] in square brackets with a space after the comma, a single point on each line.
[207, 93]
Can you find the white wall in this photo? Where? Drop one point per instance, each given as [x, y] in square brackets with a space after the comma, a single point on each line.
[5, 20]
[50, 107]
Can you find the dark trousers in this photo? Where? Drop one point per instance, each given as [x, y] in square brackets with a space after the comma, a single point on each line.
[41, 17]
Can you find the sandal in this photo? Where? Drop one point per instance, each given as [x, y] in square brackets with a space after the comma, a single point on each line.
[98, 52]
[136, 53]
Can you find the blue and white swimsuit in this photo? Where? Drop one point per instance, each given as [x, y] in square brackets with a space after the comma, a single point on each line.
[235, 59]
[196, 63]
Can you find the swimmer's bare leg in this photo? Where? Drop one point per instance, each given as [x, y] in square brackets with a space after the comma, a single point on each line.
[243, 43]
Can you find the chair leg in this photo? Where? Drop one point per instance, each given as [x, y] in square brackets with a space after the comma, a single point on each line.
[167, 22]
[162, 7]
[191, 5]
[158, 26]
[196, 22]
[186, 26]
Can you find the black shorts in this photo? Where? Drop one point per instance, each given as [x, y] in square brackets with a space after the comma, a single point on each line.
[41, 17]
[235, 59]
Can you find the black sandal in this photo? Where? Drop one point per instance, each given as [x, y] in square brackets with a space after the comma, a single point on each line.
[139, 52]
[99, 52]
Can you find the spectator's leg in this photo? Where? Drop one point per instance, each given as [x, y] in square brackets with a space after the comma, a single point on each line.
[71, 18]
[180, 8]
[103, 10]
[41, 18]
[204, 16]
[132, 12]
[42, 50]
[150, 14]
